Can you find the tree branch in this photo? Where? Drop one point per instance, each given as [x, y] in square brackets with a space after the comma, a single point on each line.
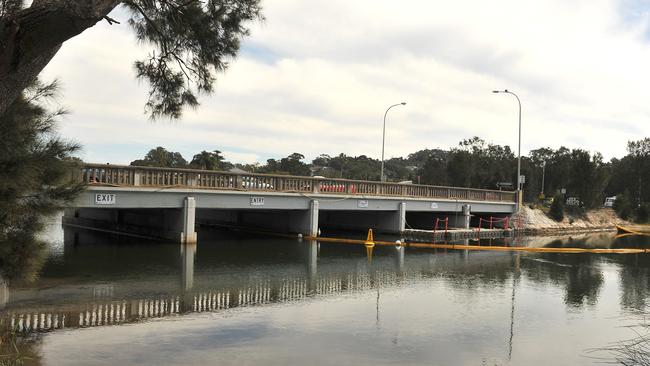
[110, 20]
[34, 35]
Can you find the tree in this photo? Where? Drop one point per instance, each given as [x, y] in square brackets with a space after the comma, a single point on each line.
[291, 165]
[191, 41]
[160, 157]
[434, 170]
[35, 171]
[209, 161]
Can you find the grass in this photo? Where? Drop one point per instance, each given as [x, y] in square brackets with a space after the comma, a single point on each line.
[630, 352]
[10, 354]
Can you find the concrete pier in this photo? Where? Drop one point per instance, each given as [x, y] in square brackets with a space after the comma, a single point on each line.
[188, 232]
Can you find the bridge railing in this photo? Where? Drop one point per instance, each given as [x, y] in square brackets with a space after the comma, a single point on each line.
[115, 175]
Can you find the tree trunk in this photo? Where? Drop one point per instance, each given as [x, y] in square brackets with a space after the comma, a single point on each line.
[30, 38]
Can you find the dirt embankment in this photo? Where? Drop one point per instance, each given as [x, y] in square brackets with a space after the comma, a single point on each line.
[535, 221]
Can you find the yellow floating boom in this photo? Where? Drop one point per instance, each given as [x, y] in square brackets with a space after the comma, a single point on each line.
[635, 230]
[481, 247]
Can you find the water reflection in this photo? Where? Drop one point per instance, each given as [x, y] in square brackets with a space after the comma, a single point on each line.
[491, 305]
[579, 274]
[4, 293]
[188, 251]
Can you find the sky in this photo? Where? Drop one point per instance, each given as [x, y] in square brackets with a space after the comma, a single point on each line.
[317, 76]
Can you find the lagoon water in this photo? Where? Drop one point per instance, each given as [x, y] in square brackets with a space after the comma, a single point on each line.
[240, 299]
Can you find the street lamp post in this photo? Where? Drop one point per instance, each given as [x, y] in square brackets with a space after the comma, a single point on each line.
[543, 174]
[383, 139]
[519, 148]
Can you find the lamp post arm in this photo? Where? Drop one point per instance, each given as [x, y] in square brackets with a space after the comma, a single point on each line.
[383, 141]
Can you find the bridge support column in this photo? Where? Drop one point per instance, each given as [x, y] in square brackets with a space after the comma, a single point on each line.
[393, 222]
[188, 234]
[313, 217]
[466, 215]
[461, 220]
[306, 222]
[402, 216]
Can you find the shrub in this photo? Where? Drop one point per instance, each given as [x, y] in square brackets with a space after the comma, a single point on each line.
[623, 205]
[642, 213]
[557, 208]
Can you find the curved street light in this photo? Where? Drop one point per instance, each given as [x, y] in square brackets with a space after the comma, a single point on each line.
[519, 148]
[383, 140]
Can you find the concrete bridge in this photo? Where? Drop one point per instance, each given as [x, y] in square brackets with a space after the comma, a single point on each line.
[170, 203]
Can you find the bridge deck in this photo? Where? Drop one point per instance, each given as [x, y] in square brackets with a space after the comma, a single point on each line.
[130, 176]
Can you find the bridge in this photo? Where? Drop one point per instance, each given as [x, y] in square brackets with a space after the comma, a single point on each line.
[169, 203]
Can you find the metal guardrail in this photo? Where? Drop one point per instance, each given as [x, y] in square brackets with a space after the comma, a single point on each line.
[116, 175]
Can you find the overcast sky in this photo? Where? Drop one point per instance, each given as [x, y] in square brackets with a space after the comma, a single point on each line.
[316, 77]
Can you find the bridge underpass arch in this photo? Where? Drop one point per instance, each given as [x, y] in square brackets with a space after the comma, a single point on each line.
[358, 220]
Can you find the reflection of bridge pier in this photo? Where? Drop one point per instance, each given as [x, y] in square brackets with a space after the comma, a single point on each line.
[399, 258]
[188, 252]
[312, 265]
[4, 293]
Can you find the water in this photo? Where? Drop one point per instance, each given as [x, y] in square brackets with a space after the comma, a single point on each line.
[238, 299]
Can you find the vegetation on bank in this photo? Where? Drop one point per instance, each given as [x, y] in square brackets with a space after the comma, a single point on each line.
[585, 176]
[35, 176]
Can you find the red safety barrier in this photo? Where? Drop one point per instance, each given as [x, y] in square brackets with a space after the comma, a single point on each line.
[339, 188]
[435, 227]
[491, 221]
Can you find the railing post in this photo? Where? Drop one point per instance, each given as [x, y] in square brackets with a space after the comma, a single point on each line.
[238, 182]
[136, 178]
[191, 179]
[315, 186]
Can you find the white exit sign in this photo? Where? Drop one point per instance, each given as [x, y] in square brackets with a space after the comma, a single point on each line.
[105, 199]
[257, 201]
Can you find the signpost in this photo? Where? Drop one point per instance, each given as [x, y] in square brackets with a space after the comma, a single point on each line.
[502, 185]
